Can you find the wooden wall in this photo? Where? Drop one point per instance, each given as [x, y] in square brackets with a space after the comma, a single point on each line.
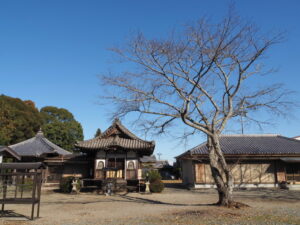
[187, 172]
[77, 170]
[243, 173]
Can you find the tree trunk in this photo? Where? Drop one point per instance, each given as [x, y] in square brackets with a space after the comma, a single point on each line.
[220, 172]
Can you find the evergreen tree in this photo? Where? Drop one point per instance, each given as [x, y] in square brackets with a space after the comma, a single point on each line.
[60, 127]
[98, 132]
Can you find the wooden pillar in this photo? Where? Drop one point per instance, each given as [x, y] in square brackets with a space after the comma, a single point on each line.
[4, 189]
[22, 185]
[280, 172]
[39, 186]
[125, 167]
[33, 194]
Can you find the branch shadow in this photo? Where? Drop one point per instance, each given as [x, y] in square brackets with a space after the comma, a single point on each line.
[12, 214]
[272, 195]
[156, 202]
[128, 199]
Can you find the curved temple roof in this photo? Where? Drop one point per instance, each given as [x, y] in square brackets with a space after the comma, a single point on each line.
[37, 146]
[256, 144]
[10, 152]
[117, 136]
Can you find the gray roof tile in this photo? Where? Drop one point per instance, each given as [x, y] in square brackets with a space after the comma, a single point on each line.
[117, 136]
[253, 145]
[37, 146]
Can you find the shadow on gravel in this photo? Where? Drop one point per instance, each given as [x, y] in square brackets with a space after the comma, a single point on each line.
[12, 214]
[269, 194]
[122, 198]
[175, 186]
[156, 202]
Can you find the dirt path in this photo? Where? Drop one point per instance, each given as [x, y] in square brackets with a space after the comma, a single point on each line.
[175, 206]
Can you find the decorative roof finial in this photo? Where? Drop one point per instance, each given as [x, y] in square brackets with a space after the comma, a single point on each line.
[116, 120]
[40, 133]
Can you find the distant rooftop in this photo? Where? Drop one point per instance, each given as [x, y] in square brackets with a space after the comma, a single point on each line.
[38, 146]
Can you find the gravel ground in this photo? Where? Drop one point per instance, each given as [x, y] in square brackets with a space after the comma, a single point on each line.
[173, 206]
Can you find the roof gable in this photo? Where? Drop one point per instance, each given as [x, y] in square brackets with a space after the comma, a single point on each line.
[117, 136]
[37, 146]
[118, 129]
[10, 152]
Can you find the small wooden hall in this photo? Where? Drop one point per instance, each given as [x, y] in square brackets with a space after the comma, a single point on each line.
[255, 160]
[40, 149]
[116, 153]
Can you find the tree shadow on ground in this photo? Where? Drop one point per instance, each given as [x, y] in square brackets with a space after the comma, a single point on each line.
[175, 186]
[156, 202]
[269, 194]
[12, 214]
[125, 198]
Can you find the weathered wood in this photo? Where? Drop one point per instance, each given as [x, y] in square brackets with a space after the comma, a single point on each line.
[131, 174]
[243, 173]
[280, 172]
[200, 173]
[36, 176]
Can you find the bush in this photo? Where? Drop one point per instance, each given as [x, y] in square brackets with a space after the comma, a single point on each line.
[157, 186]
[65, 184]
[28, 184]
[153, 175]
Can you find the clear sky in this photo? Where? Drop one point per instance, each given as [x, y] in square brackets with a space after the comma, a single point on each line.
[51, 52]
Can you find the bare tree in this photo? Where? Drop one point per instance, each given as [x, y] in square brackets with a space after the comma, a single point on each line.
[198, 77]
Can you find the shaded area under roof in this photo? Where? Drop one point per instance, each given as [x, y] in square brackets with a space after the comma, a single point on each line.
[291, 160]
[10, 152]
[35, 165]
[117, 136]
[38, 146]
[270, 144]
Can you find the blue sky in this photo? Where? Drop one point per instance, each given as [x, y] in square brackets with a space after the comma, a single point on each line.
[51, 52]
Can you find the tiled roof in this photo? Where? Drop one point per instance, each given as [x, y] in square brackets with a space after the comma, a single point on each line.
[148, 159]
[270, 144]
[37, 146]
[117, 136]
[161, 164]
[98, 143]
[10, 151]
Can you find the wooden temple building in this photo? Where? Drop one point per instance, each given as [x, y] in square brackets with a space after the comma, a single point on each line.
[255, 161]
[40, 149]
[116, 153]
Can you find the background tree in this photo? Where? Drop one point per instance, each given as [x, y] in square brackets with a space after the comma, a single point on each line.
[203, 77]
[98, 132]
[60, 127]
[19, 120]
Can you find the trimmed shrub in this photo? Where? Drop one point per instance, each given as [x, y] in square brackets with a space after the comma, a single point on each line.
[157, 186]
[153, 175]
[65, 184]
